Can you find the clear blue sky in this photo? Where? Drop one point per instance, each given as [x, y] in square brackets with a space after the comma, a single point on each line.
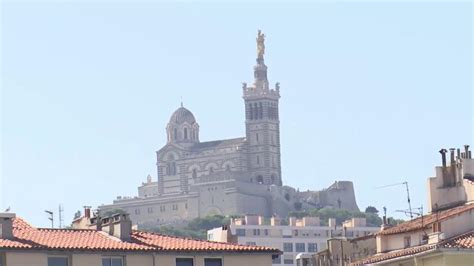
[370, 93]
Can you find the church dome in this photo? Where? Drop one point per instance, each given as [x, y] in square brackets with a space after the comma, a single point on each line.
[182, 115]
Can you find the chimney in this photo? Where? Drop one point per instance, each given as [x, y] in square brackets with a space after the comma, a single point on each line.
[384, 218]
[443, 156]
[6, 225]
[458, 154]
[452, 179]
[469, 155]
[118, 225]
[466, 151]
[87, 212]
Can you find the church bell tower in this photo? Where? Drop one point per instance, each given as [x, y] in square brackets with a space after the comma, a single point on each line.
[262, 123]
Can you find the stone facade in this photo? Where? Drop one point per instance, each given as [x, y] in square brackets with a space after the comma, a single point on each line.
[232, 176]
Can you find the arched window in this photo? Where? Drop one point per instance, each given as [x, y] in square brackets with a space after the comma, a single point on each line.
[171, 165]
[185, 133]
[175, 134]
[258, 160]
[227, 167]
[211, 169]
[194, 173]
[260, 111]
[255, 111]
[260, 179]
[250, 111]
[273, 179]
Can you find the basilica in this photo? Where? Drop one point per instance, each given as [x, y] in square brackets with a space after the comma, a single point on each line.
[230, 176]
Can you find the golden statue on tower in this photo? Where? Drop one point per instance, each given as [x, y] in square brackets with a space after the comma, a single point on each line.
[260, 44]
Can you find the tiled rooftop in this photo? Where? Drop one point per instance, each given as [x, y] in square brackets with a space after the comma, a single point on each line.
[28, 237]
[426, 221]
[464, 241]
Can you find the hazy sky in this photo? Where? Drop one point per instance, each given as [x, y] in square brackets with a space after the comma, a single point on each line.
[370, 93]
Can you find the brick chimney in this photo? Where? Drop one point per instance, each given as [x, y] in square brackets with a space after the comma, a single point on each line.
[87, 212]
[6, 225]
[118, 225]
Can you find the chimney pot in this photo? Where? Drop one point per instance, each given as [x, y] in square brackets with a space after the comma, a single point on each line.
[87, 212]
[452, 155]
[443, 156]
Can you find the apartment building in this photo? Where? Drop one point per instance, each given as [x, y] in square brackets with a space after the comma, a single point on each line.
[110, 241]
[305, 235]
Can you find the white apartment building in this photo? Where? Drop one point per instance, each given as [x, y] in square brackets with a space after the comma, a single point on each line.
[305, 235]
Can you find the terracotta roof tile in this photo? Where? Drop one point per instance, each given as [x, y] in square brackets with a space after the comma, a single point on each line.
[28, 237]
[463, 241]
[427, 220]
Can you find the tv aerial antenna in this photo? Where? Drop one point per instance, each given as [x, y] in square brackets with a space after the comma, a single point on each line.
[410, 211]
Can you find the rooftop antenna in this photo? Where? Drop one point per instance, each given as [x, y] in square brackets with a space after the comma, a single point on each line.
[51, 217]
[408, 195]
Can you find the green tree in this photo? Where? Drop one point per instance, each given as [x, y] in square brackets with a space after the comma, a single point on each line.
[371, 209]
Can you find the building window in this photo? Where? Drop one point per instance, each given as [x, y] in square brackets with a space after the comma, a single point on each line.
[288, 261]
[162, 208]
[265, 231]
[185, 133]
[312, 247]
[258, 160]
[240, 232]
[211, 170]
[150, 210]
[212, 262]
[184, 262]
[255, 111]
[260, 179]
[256, 232]
[296, 232]
[227, 168]
[137, 211]
[112, 261]
[288, 247]
[175, 207]
[407, 241]
[256, 137]
[300, 247]
[276, 260]
[56, 261]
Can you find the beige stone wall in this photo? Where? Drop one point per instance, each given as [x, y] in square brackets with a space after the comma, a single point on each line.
[41, 259]
[26, 259]
[228, 260]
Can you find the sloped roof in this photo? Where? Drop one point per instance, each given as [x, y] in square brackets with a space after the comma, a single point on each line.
[426, 221]
[463, 241]
[26, 237]
[218, 144]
